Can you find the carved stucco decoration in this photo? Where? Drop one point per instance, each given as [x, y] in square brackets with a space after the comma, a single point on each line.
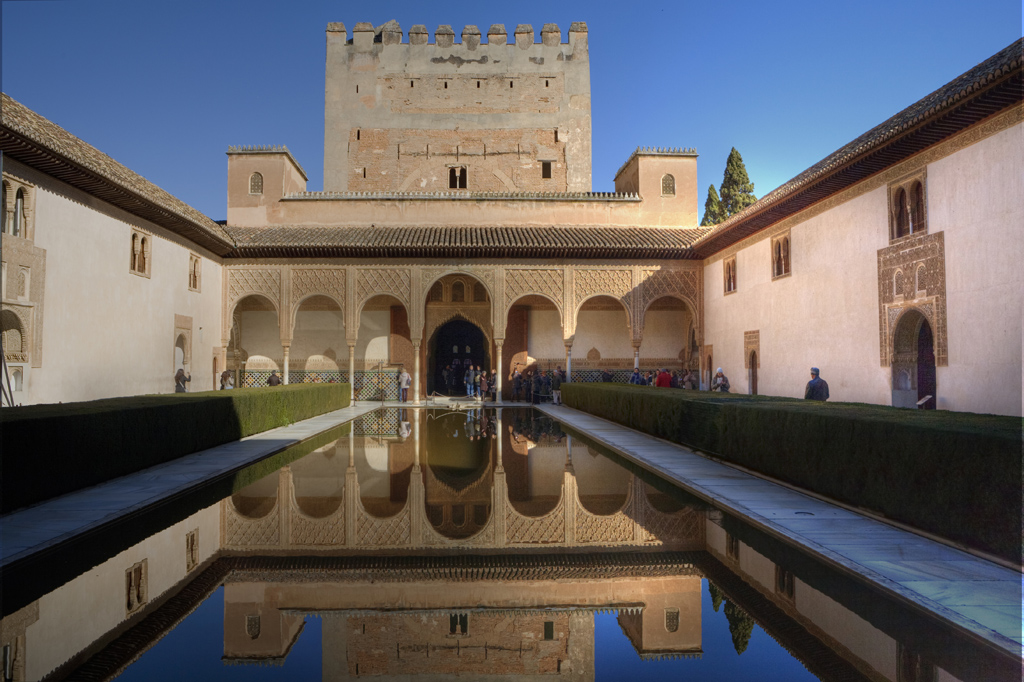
[521, 282]
[396, 282]
[654, 283]
[751, 344]
[533, 530]
[917, 266]
[24, 316]
[242, 283]
[312, 281]
[438, 315]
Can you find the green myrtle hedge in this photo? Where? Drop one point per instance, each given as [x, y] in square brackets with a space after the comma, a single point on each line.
[954, 474]
[50, 450]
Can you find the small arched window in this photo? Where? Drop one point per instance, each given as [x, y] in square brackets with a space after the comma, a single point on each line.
[256, 183]
[135, 252]
[458, 292]
[777, 259]
[479, 293]
[785, 255]
[436, 292]
[143, 246]
[671, 619]
[3, 207]
[668, 186]
[920, 283]
[19, 210]
[897, 283]
[901, 211]
[17, 380]
[12, 336]
[917, 208]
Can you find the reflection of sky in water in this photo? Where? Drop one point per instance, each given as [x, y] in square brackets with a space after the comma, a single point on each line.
[193, 651]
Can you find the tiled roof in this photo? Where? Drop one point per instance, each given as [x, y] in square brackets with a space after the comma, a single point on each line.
[988, 88]
[462, 242]
[28, 137]
[464, 195]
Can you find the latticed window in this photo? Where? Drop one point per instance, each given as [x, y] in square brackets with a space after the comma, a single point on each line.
[668, 186]
[193, 272]
[479, 293]
[780, 256]
[436, 292]
[458, 292]
[729, 272]
[671, 619]
[256, 183]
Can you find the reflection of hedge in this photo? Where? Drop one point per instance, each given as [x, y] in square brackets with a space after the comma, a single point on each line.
[49, 450]
[954, 474]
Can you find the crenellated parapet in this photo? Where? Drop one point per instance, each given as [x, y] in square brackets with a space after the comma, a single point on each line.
[365, 34]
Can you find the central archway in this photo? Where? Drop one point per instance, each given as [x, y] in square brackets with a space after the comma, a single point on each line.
[913, 366]
[458, 343]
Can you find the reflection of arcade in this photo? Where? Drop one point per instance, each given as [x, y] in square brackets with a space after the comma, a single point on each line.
[505, 616]
[483, 485]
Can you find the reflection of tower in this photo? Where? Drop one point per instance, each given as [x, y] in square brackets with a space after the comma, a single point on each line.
[495, 616]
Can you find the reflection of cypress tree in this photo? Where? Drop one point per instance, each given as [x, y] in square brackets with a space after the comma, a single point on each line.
[741, 625]
[716, 595]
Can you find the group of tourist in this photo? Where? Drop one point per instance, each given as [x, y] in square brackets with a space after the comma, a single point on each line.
[537, 385]
[665, 379]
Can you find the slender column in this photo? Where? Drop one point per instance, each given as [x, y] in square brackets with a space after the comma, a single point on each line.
[416, 374]
[352, 369]
[285, 364]
[636, 357]
[498, 343]
[568, 363]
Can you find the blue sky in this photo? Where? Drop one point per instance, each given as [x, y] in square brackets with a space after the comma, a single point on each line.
[164, 88]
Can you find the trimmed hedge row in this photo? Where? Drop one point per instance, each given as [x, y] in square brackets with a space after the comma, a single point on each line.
[954, 474]
[50, 450]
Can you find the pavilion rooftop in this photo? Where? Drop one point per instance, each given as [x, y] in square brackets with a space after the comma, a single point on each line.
[463, 242]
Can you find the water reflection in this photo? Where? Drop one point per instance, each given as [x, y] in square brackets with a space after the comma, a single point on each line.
[473, 542]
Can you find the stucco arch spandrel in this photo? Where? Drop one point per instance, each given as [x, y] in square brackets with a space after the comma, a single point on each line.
[685, 285]
[242, 283]
[433, 323]
[546, 282]
[370, 282]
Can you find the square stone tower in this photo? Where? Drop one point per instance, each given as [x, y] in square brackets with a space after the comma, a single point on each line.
[485, 117]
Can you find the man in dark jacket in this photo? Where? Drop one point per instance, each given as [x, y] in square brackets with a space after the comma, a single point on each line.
[636, 378]
[817, 388]
[556, 387]
[274, 379]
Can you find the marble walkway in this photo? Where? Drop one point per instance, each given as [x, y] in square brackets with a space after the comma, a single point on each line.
[44, 525]
[980, 597]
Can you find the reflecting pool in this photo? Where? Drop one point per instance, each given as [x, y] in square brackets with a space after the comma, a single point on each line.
[425, 544]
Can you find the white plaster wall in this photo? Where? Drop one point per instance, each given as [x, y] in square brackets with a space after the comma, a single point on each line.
[664, 333]
[108, 332]
[596, 474]
[318, 331]
[605, 330]
[826, 313]
[321, 473]
[546, 466]
[823, 315]
[544, 334]
[974, 199]
[374, 329]
[78, 613]
[261, 336]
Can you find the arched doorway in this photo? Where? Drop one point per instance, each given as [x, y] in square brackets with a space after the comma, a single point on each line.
[913, 364]
[753, 372]
[456, 344]
[668, 326]
[179, 352]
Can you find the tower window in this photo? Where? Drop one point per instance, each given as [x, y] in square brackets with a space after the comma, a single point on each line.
[358, 133]
[446, 85]
[457, 177]
[547, 83]
[256, 183]
[511, 83]
[478, 84]
[668, 186]
[412, 84]
[545, 170]
[549, 629]
[357, 89]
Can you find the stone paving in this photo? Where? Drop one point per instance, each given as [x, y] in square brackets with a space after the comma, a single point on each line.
[35, 528]
[979, 596]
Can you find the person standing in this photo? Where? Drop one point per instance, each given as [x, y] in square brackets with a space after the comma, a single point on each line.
[180, 379]
[517, 384]
[538, 387]
[636, 378]
[817, 388]
[227, 382]
[664, 379]
[404, 382]
[446, 378]
[720, 383]
[467, 378]
[556, 387]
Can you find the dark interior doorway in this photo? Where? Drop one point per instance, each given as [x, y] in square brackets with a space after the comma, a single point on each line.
[753, 372]
[458, 344]
[926, 366]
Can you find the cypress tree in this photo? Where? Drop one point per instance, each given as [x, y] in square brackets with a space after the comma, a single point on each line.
[713, 213]
[741, 626]
[736, 189]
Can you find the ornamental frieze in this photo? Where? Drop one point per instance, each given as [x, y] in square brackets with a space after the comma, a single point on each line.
[912, 276]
